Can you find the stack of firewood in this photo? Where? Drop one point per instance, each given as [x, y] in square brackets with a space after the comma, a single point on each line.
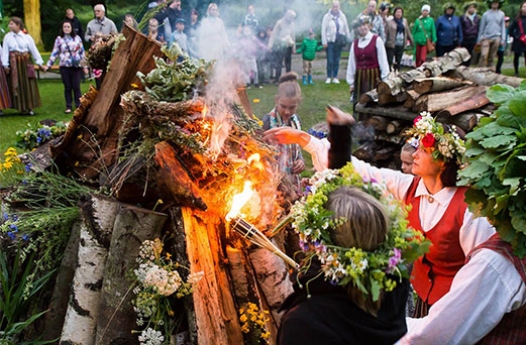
[455, 94]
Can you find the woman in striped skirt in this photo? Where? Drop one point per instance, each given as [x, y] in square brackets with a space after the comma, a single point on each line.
[367, 60]
[5, 100]
[18, 47]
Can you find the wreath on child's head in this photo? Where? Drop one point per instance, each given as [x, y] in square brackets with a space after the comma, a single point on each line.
[370, 271]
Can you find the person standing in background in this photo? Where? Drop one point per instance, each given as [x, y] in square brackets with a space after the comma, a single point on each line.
[516, 31]
[469, 22]
[376, 25]
[367, 60]
[282, 42]
[191, 34]
[129, 19]
[502, 50]
[70, 51]
[397, 34]
[308, 48]
[334, 36]
[448, 30]
[492, 33]
[5, 99]
[251, 20]
[75, 22]
[18, 47]
[99, 25]
[423, 30]
[212, 37]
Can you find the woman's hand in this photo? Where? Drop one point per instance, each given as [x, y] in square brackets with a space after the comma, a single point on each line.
[298, 166]
[44, 68]
[286, 135]
[336, 116]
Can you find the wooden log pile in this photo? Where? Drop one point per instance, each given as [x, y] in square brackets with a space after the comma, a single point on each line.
[171, 170]
[454, 93]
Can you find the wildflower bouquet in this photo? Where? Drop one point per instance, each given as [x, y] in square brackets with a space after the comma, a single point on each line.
[33, 137]
[157, 279]
[253, 324]
[370, 271]
[11, 169]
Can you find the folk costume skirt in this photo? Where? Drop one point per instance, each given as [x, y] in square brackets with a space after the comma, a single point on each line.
[5, 98]
[23, 83]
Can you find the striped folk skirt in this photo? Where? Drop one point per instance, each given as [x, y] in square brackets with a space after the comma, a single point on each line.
[23, 83]
[5, 98]
[365, 80]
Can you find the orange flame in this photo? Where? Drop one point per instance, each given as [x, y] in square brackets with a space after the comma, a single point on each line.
[240, 200]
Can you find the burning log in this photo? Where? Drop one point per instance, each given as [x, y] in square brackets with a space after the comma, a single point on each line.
[434, 102]
[436, 84]
[215, 311]
[173, 178]
[131, 227]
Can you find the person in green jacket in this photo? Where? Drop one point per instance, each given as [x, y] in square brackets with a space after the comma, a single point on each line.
[423, 29]
[308, 48]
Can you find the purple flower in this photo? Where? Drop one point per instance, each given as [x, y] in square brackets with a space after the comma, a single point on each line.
[28, 167]
[394, 260]
[39, 140]
[5, 215]
[304, 245]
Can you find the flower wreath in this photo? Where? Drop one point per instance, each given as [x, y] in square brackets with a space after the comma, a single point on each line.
[370, 271]
[431, 134]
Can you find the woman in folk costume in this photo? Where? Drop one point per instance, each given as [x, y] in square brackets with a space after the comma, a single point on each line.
[287, 99]
[423, 30]
[17, 49]
[367, 60]
[5, 99]
[438, 209]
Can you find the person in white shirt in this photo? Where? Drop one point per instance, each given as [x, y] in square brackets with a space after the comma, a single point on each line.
[17, 49]
[334, 36]
[437, 205]
[367, 60]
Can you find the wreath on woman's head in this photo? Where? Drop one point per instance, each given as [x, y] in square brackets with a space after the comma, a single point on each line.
[372, 271]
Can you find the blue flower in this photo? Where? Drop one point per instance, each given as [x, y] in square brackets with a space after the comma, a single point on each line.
[39, 140]
[15, 217]
[28, 167]
[5, 215]
[25, 238]
[11, 235]
[13, 227]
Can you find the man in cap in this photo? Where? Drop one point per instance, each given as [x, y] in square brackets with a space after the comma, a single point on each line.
[469, 22]
[384, 13]
[492, 33]
[376, 23]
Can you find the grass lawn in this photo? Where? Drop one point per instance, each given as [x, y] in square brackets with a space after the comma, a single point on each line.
[53, 106]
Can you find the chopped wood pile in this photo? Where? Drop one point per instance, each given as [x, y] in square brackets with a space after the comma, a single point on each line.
[171, 169]
[454, 93]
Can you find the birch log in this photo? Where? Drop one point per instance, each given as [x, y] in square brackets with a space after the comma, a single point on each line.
[482, 76]
[81, 316]
[436, 84]
[132, 226]
[433, 102]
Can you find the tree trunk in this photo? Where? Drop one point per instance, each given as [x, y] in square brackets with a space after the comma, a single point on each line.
[434, 102]
[450, 61]
[32, 21]
[131, 228]
[436, 84]
[216, 313]
[83, 310]
[477, 101]
[466, 121]
[485, 76]
[61, 291]
[97, 150]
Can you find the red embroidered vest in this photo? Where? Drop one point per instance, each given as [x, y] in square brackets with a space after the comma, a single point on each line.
[433, 273]
[512, 328]
[366, 57]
